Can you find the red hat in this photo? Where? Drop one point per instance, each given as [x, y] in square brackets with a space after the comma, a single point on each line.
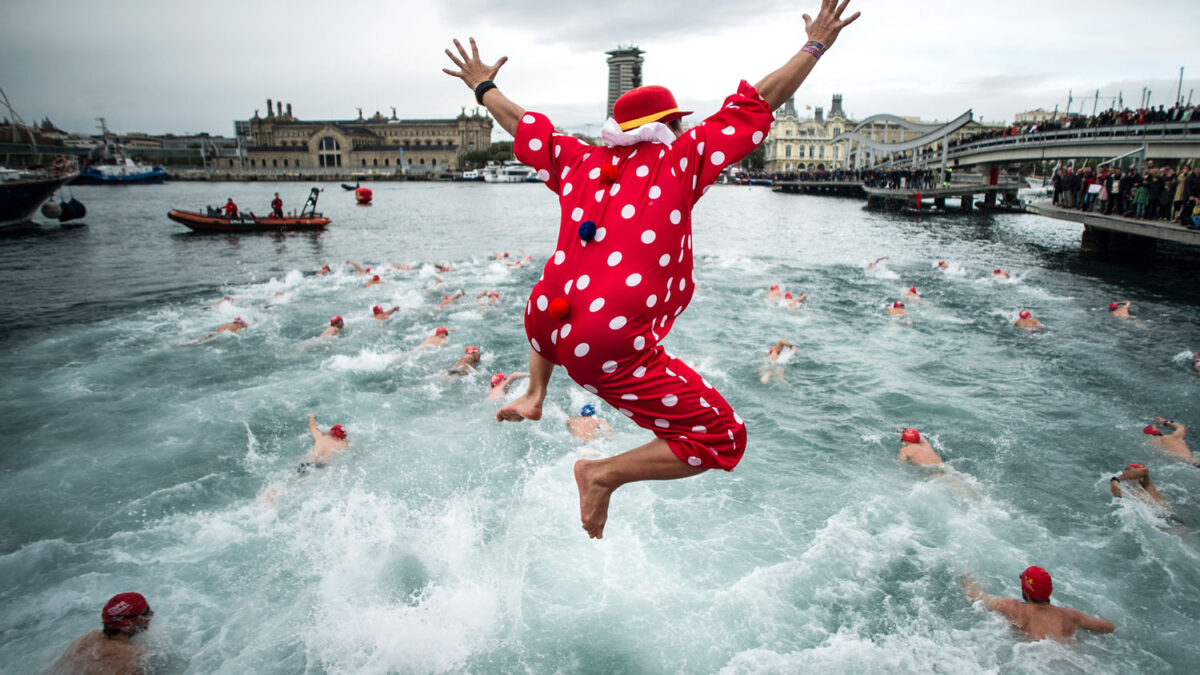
[375, 278]
[788, 295]
[497, 379]
[120, 611]
[1135, 466]
[774, 287]
[996, 271]
[644, 105]
[1036, 583]
[1112, 306]
[1151, 430]
[471, 349]
[898, 304]
[368, 270]
[337, 431]
[335, 320]
[1024, 314]
[441, 330]
[910, 436]
[325, 267]
[377, 310]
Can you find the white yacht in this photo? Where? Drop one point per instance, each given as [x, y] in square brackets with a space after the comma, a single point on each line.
[511, 171]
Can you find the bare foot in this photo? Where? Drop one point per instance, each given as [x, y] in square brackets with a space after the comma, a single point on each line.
[593, 498]
[525, 408]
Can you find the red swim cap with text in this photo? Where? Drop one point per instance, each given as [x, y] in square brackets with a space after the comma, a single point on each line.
[1036, 583]
[338, 432]
[911, 436]
[120, 611]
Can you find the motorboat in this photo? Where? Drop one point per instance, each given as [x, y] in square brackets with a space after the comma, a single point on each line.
[23, 192]
[511, 171]
[120, 171]
[212, 220]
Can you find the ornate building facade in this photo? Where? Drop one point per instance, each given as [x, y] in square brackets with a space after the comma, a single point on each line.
[376, 143]
[796, 144]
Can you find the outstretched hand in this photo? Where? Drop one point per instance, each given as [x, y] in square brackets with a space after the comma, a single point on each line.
[472, 70]
[829, 22]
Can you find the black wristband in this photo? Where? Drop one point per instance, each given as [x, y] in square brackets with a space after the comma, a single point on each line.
[1114, 478]
[483, 88]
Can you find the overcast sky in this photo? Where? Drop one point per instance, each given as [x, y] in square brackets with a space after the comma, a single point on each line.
[183, 67]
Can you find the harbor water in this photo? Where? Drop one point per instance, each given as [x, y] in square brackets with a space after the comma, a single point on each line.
[141, 456]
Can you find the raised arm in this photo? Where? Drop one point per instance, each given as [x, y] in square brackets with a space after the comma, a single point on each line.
[782, 83]
[1179, 429]
[1005, 606]
[473, 72]
[312, 427]
[351, 262]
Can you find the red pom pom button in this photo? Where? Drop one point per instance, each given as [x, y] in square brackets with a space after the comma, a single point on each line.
[559, 308]
[608, 173]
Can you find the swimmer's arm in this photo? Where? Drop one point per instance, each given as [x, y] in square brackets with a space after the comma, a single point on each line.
[1090, 622]
[472, 71]
[1004, 606]
[605, 428]
[351, 262]
[312, 427]
[778, 87]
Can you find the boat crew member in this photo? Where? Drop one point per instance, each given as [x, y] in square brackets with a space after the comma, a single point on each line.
[1033, 615]
[230, 209]
[277, 206]
[111, 649]
[622, 270]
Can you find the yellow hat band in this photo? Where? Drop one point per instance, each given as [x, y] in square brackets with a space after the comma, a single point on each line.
[626, 126]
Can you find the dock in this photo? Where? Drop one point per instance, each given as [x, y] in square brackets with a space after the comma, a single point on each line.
[841, 188]
[1108, 232]
[896, 197]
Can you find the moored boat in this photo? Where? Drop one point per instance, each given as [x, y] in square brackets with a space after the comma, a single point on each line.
[1002, 207]
[511, 171]
[122, 171]
[22, 193]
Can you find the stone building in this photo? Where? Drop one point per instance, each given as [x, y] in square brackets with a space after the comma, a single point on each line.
[796, 144]
[377, 143]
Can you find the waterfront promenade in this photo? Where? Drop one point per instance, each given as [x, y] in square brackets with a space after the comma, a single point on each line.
[1104, 232]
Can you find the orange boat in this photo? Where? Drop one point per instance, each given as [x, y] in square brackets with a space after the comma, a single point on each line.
[213, 221]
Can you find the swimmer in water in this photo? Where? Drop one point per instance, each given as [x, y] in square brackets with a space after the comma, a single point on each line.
[871, 265]
[325, 447]
[911, 293]
[112, 649]
[361, 272]
[228, 298]
[1174, 443]
[374, 281]
[1196, 362]
[466, 363]
[773, 355]
[999, 273]
[943, 265]
[915, 449]
[794, 302]
[500, 384]
[1025, 320]
[1034, 615]
[1120, 309]
[448, 299]
[325, 269]
[443, 268]
[774, 294]
[232, 327]
[335, 326]
[402, 268]
[897, 309]
[586, 426]
[381, 315]
[439, 337]
[626, 262]
[487, 297]
[1141, 475]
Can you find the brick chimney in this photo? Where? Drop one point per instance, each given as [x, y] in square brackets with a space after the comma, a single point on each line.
[819, 114]
[270, 109]
[289, 109]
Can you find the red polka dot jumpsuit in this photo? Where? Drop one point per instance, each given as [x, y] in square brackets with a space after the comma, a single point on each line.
[623, 286]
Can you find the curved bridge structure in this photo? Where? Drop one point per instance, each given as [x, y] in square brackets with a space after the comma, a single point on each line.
[1171, 140]
[930, 133]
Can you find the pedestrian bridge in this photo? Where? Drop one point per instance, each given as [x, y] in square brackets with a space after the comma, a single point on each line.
[1170, 140]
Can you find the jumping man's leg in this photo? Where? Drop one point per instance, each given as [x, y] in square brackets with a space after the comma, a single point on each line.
[598, 478]
[529, 406]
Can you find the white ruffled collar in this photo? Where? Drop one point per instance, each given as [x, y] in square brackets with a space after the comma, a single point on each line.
[654, 132]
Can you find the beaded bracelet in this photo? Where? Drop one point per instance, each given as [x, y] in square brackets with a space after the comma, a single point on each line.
[813, 47]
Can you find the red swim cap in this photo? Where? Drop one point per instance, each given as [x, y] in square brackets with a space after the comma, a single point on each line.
[788, 296]
[441, 331]
[996, 271]
[1151, 430]
[1135, 466]
[337, 431]
[324, 267]
[497, 379]
[375, 278]
[368, 270]
[912, 289]
[377, 310]
[240, 321]
[471, 349]
[911, 436]
[1112, 306]
[897, 304]
[335, 320]
[774, 287]
[1024, 314]
[120, 611]
[1036, 583]
[506, 254]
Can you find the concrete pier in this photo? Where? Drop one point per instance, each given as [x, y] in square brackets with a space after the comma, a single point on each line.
[893, 198]
[1103, 233]
[841, 188]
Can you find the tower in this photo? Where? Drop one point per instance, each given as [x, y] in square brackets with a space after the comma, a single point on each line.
[835, 110]
[624, 72]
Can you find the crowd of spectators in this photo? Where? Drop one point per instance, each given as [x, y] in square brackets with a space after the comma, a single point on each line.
[1108, 118]
[1152, 193]
[905, 177]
